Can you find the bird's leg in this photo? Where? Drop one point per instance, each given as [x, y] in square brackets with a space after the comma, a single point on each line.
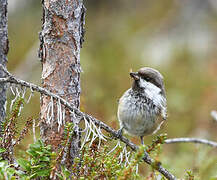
[120, 132]
[142, 142]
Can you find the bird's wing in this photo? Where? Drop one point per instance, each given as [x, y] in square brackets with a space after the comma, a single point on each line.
[162, 117]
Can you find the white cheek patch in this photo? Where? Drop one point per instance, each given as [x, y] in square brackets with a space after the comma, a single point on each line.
[153, 92]
[150, 89]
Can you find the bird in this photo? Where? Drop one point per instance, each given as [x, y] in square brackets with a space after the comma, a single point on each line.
[143, 108]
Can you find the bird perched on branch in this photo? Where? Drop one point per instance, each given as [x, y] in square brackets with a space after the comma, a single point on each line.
[141, 106]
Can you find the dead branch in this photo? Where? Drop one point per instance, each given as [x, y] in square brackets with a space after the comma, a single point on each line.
[11, 79]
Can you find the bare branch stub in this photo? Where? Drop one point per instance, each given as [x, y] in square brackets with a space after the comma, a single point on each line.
[61, 38]
[191, 140]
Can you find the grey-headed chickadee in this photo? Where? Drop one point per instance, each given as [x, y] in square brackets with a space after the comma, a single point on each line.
[141, 106]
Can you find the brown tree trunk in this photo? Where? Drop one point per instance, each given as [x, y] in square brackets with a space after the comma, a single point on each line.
[61, 39]
[3, 56]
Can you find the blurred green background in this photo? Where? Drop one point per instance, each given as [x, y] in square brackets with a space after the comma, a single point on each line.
[179, 38]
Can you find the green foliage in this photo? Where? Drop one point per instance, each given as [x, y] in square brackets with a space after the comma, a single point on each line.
[6, 171]
[190, 175]
[129, 172]
[9, 131]
[100, 164]
[10, 122]
[156, 143]
[2, 151]
[39, 163]
[94, 163]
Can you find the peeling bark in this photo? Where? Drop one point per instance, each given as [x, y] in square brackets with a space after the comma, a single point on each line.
[60, 41]
[4, 47]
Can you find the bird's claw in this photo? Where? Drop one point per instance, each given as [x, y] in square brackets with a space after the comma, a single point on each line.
[120, 132]
[142, 141]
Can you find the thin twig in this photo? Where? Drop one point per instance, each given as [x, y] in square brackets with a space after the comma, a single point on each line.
[191, 140]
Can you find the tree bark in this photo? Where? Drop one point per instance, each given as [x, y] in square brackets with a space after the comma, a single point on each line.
[61, 39]
[4, 47]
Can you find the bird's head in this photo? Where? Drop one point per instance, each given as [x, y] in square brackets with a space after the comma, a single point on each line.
[147, 77]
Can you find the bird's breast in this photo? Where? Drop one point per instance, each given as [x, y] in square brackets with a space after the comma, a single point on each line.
[137, 114]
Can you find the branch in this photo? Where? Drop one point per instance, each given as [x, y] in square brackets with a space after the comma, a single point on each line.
[191, 140]
[11, 79]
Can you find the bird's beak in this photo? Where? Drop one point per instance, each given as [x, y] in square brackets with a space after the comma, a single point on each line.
[134, 75]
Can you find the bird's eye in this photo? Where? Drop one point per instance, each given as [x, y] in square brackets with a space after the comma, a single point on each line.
[147, 78]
